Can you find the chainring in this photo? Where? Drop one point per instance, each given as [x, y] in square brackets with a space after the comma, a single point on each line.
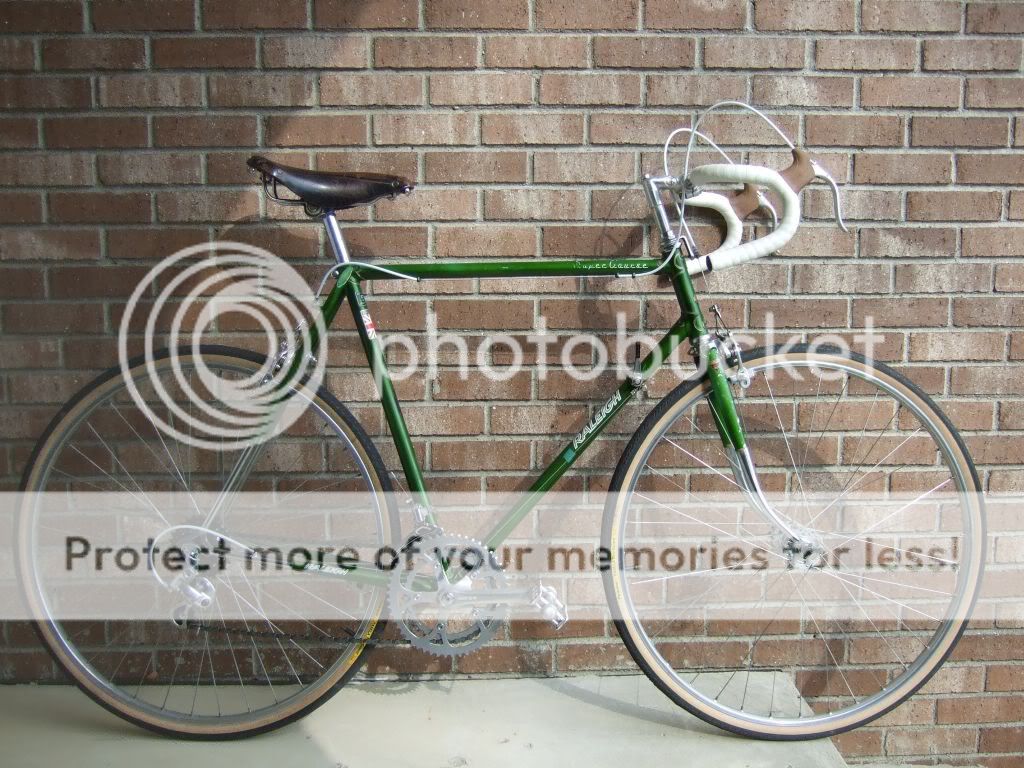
[430, 618]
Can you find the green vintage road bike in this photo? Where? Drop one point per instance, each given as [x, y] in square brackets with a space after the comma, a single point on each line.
[808, 645]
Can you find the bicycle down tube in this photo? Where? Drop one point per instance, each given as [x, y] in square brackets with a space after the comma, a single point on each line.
[690, 327]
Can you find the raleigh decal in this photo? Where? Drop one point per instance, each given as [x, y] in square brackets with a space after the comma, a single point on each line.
[599, 417]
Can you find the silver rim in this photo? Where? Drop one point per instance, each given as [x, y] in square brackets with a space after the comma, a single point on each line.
[848, 685]
[165, 676]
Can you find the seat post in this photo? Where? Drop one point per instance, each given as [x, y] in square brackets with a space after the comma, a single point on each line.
[336, 238]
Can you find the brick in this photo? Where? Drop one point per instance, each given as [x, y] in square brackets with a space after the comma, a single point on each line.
[995, 92]
[761, 52]
[1008, 277]
[461, 14]
[99, 207]
[254, 14]
[1001, 739]
[995, 17]
[958, 131]
[481, 88]
[988, 312]
[477, 456]
[484, 314]
[805, 15]
[536, 51]
[951, 345]
[869, 204]
[993, 241]
[910, 16]
[1016, 211]
[206, 205]
[910, 91]
[93, 53]
[390, 162]
[479, 167]
[749, 129]
[803, 91]
[150, 168]
[45, 169]
[421, 129]
[536, 419]
[954, 206]
[18, 132]
[695, 14]
[990, 169]
[384, 14]
[384, 88]
[1005, 677]
[426, 52]
[163, 90]
[444, 204]
[949, 277]
[600, 241]
[972, 55]
[79, 317]
[694, 90]
[534, 204]
[204, 131]
[866, 54]
[21, 208]
[148, 15]
[485, 241]
[17, 54]
[320, 52]
[536, 128]
[886, 313]
[907, 242]
[798, 313]
[204, 53]
[840, 278]
[151, 243]
[854, 130]
[589, 89]
[98, 132]
[28, 92]
[583, 167]
[988, 709]
[930, 741]
[316, 130]
[917, 168]
[646, 53]
[586, 14]
[261, 90]
[24, 244]
[41, 16]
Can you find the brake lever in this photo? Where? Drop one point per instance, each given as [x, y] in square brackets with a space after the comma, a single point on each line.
[825, 176]
[766, 203]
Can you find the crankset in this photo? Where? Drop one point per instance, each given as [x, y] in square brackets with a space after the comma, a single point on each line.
[451, 596]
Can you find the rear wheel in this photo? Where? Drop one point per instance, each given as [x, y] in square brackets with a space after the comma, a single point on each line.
[260, 649]
[782, 637]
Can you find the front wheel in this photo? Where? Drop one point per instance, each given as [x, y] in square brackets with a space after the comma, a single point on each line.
[778, 636]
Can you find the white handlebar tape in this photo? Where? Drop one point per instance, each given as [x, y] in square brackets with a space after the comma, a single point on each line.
[730, 255]
[720, 203]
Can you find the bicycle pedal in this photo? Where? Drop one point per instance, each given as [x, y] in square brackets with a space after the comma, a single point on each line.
[551, 608]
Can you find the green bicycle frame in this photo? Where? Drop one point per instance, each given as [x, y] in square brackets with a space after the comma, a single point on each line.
[689, 327]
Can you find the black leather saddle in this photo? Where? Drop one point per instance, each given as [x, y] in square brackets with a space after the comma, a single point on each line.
[328, 191]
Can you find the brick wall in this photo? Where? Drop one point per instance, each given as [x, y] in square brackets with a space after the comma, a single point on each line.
[527, 124]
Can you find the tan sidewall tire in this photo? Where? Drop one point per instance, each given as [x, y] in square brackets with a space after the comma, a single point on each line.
[632, 634]
[95, 391]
